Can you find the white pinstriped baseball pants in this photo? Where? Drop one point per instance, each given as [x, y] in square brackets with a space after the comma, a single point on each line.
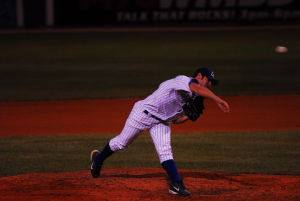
[137, 122]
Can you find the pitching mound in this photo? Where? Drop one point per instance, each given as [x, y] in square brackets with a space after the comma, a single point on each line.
[147, 184]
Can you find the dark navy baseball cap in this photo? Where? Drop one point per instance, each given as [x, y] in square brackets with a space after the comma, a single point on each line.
[206, 72]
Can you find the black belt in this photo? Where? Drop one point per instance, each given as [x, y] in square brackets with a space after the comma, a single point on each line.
[154, 117]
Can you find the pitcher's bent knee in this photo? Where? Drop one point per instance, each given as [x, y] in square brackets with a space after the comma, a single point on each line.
[116, 144]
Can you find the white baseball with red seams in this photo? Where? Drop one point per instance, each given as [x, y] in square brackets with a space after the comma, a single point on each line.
[164, 103]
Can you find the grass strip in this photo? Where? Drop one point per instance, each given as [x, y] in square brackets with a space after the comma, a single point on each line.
[58, 66]
[249, 152]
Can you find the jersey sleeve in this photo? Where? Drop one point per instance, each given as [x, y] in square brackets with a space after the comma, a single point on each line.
[182, 82]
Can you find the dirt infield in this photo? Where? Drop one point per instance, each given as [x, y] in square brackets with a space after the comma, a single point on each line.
[248, 113]
[147, 184]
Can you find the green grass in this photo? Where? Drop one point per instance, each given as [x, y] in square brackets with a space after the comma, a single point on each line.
[58, 66]
[132, 64]
[258, 152]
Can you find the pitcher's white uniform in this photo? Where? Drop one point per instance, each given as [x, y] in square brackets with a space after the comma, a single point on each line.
[155, 113]
[166, 104]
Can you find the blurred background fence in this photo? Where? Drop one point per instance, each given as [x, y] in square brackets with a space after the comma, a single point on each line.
[98, 13]
[68, 65]
[79, 65]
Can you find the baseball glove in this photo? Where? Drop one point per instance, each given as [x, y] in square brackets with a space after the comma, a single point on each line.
[194, 107]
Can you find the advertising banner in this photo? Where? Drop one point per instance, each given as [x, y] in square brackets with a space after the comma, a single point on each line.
[97, 12]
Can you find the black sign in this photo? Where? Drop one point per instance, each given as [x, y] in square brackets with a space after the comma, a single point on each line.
[97, 12]
[8, 15]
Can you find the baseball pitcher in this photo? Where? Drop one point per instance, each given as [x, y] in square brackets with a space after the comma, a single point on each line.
[175, 101]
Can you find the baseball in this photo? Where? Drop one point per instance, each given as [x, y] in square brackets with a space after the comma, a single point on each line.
[281, 49]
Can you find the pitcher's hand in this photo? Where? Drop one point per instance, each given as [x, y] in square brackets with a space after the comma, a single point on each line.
[223, 105]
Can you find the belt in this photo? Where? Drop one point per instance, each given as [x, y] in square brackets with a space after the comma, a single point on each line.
[154, 117]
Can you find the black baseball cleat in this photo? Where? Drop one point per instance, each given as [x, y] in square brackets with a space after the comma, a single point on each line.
[178, 188]
[95, 168]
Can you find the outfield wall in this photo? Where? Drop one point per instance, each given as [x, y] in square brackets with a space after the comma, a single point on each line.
[97, 13]
[122, 12]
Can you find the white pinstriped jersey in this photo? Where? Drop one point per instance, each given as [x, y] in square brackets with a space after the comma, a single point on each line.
[165, 102]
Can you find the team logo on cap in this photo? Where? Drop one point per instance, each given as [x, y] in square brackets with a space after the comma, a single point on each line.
[212, 74]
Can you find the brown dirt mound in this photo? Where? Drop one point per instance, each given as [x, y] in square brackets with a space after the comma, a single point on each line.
[248, 113]
[147, 184]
